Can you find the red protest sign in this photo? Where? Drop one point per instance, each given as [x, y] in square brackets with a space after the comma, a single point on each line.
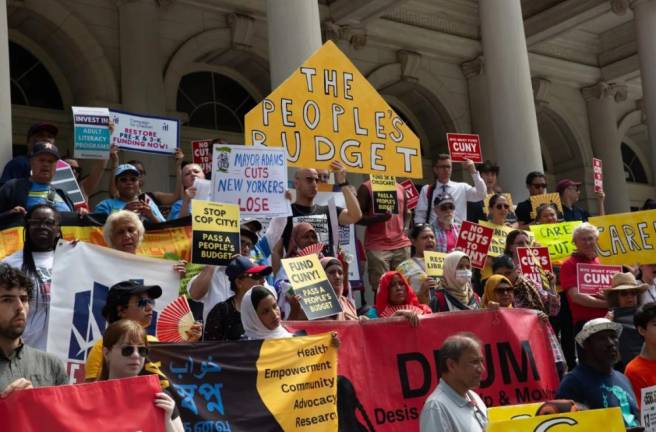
[411, 194]
[598, 175]
[202, 154]
[519, 364]
[594, 278]
[464, 146]
[533, 262]
[475, 240]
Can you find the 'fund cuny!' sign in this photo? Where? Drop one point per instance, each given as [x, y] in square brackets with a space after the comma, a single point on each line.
[326, 110]
[594, 278]
[254, 178]
[474, 240]
[464, 146]
[142, 133]
[215, 232]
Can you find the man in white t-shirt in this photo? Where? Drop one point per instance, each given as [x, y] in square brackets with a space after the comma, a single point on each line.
[36, 259]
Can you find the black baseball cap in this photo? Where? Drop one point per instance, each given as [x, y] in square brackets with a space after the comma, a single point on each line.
[38, 127]
[242, 265]
[119, 294]
[256, 224]
[44, 147]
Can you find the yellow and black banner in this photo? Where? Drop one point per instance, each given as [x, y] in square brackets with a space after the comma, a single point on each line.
[309, 282]
[257, 385]
[383, 194]
[434, 263]
[215, 232]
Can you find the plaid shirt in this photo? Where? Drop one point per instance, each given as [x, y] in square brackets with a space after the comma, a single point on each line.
[441, 237]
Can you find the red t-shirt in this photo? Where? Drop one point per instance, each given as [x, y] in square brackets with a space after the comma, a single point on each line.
[642, 373]
[568, 280]
[388, 235]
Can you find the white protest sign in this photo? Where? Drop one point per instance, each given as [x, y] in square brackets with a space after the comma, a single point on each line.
[91, 138]
[648, 408]
[142, 133]
[254, 178]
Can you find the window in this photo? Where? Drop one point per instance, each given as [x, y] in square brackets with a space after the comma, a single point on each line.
[31, 83]
[633, 169]
[214, 101]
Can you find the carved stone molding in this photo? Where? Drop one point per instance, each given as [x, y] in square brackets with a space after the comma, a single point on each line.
[410, 64]
[619, 7]
[356, 36]
[242, 28]
[602, 90]
[640, 106]
[541, 88]
[474, 67]
[161, 3]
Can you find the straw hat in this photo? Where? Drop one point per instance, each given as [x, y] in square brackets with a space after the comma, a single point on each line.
[625, 282]
[595, 326]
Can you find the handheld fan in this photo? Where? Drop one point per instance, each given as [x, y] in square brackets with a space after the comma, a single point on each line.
[174, 321]
[312, 249]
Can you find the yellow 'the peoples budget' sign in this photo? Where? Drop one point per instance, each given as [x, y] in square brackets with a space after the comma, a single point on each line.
[327, 110]
[627, 238]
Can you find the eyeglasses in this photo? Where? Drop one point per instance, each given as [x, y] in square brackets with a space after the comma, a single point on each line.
[128, 350]
[502, 206]
[48, 223]
[539, 185]
[446, 207]
[504, 290]
[143, 302]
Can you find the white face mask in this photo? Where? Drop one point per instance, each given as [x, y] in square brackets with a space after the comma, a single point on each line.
[463, 276]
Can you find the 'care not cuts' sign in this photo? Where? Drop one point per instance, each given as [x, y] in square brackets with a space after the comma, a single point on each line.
[464, 146]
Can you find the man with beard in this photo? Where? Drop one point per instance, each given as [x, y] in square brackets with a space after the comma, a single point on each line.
[36, 259]
[445, 227]
[21, 367]
[594, 382]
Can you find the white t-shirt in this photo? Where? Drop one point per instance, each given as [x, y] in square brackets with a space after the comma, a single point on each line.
[36, 330]
[219, 290]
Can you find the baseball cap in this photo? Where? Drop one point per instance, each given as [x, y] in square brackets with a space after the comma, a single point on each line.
[119, 294]
[257, 223]
[44, 147]
[565, 183]
[443, 198]
[126, 168]
[595, 326]
[38, 127]
[242, 265]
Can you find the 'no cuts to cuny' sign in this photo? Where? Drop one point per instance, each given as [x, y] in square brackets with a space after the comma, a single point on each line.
[474, 240]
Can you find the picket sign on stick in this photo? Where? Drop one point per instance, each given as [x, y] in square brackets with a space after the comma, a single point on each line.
[594, 278]
[598, 175]
[464, 146]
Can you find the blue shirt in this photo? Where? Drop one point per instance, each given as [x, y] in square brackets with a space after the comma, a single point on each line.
[596, 390]
[175, 209]
[112, 205]
[574, 214]
[18, 167]
[43, 193]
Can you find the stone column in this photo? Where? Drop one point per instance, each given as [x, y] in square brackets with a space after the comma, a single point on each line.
[5, 94]
[294, 32]
[142, 81]
[479, 105]
[510, 93]
[602, 101]
[644, 12]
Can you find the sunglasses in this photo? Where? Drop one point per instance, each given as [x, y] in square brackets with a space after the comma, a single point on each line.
[502, 206]
[539, 185]
[128, 350]
[504, 290]
[446, 207]
[142, 303]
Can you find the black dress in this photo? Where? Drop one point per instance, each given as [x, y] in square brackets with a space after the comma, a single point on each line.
[224, 322]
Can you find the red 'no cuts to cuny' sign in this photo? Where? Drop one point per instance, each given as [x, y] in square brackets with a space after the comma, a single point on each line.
[411, 194]
[202, 154]
[598, 175]
[533, 262]
[593, 279]
[464, 146]
[474, 240]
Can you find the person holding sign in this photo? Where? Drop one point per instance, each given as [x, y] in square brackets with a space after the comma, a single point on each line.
[536, 183]
[182, 207]
[445, 227]
[396, 298]
[461, 192]
[499, 208]
[570, 192]
[455, 290]
[385, 240]
[260, 315]
[335, 272]
[546, 213]
[489, 173]
[641, 371]
[414, 269]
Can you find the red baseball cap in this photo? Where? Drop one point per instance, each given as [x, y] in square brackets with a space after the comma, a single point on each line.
[565, 183]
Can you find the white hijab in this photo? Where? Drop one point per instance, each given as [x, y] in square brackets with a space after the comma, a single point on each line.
[253, 325]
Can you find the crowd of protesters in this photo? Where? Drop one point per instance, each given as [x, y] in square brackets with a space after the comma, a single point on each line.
[605, 345]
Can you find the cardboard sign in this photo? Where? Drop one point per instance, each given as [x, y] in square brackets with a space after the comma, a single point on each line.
[648, 408]
[512, 412]
[309, 281]
[215, 232]
[65, 179]
[548, 198]
[383, 191]
[593, 278]
[475, 240]
[327, 110]
[464, 146]
[90, 133]
[486, 202]
[626, 237]
[434, 263]
[607, 420]
[557, 237]
[150, 134]
[201, 154]
[254, 178]
[411, 194]
[534, 262]
[597, 175]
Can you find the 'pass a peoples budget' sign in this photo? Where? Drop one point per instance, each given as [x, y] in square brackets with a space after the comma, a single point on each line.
[327, 110]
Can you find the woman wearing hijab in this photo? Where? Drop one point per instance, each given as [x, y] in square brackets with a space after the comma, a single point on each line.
[335, 273]
[303, 235]
[498, 292]
[395, 297]
[260, 315]
[455, 291]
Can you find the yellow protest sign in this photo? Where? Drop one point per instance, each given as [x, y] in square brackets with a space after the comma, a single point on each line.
[486, 201]
[498, 238]
[549, 198]
[383, 191]
[627, 238]
[557, 237]
[512, 412]
[434, 263]
[215, 232]
[607, 420]
[327, 110]
[309, 281]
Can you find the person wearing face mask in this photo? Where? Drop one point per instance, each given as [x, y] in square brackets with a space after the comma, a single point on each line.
[455, 291]
[182, 207]
[445, 227]
[414, 269]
